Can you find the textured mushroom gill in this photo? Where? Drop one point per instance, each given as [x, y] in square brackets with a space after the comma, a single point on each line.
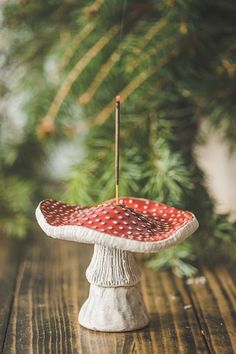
[134, 218]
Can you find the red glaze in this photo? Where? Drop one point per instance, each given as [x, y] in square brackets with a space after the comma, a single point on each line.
[134, 218]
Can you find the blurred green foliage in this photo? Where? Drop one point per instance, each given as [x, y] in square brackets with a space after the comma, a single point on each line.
[173, 63]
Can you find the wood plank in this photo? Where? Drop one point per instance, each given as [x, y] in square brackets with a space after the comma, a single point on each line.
[51, 287]
[48, 289]
[174, 328]
[9, 258]
[215, 305]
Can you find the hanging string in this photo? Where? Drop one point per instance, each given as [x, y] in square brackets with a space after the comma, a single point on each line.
[122, 27]
[117, 118]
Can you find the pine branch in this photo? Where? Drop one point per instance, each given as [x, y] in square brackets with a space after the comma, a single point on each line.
[99, 78]
[166, 101]
[74, 46]
[115, 57]
[74, 74]
[127, 91]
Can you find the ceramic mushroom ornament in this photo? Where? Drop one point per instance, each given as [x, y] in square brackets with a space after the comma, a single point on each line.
[117, 228]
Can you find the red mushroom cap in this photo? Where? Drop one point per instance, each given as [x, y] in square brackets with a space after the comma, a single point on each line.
[135, 224]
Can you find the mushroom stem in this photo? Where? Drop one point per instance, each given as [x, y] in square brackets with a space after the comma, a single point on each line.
[115, 302]
[111, 267]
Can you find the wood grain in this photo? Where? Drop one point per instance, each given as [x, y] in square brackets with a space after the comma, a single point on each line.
[9, 258]
[174, 328]
[215, 306]
[49, 287]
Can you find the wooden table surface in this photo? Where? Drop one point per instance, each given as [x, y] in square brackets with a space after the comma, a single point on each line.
[43, 285]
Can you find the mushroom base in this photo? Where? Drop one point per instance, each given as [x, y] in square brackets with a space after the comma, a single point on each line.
[115, 309]
[115, 301]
